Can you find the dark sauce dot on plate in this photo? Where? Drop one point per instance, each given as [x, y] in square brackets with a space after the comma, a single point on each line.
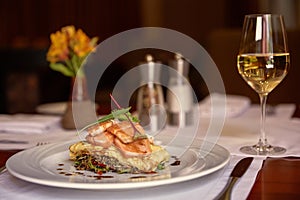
[66, 173]
[151, 172]
[176, 163]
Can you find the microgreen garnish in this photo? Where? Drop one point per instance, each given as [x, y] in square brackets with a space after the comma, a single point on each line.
[118, 114]
[115, 114]
[137, 134]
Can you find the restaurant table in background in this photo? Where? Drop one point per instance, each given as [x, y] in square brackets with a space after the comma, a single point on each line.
[278, 178]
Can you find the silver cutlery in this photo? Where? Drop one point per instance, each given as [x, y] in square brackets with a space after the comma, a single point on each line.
[3, 168]
[41, 143]
[237, 172]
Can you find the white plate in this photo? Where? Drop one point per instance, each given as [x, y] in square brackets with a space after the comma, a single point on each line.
[57, 108]
[50, 165]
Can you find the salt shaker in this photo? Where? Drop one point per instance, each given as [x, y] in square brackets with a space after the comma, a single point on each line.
[179, 93]
[150, 99]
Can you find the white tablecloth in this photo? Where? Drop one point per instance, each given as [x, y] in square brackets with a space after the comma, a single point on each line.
[237, 131]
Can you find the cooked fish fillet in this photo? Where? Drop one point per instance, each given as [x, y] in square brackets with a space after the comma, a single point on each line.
[124, 131]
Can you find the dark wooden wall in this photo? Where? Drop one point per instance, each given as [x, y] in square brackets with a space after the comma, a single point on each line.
[25, 26]
[32, 21]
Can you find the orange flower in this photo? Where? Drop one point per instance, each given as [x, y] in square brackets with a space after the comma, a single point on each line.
[58, 50]
[69, 31]
[68, 50]
[82, 44]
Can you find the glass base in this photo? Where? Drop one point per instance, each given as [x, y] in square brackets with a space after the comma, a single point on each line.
[262, 150]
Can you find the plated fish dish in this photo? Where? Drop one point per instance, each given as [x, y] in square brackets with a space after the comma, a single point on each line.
[118, 143]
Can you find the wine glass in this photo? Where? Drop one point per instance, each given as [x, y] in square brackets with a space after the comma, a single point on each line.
[263, 61]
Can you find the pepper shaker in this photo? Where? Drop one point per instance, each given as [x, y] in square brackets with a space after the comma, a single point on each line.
[179, 93]
[150, 99]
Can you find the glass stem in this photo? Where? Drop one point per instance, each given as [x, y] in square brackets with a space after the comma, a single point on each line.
[263, 101]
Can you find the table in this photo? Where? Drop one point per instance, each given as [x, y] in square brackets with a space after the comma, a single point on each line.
[279, 176]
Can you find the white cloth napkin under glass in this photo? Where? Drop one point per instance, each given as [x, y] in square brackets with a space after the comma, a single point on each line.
[235, 105]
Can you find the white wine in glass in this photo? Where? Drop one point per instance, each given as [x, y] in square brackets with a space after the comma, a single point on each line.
[263, 62]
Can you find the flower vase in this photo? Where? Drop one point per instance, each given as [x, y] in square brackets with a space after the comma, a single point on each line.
[80, 110]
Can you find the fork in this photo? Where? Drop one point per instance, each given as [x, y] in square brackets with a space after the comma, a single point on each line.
[3, 168]
[41, 143]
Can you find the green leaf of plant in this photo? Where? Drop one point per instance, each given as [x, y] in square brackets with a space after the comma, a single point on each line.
[94, 41]
[62, 69]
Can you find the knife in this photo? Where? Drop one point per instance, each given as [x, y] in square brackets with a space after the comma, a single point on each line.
[237, 172]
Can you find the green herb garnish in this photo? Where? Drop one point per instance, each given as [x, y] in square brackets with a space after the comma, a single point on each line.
[137, 134]
[119, 114]
[161, 166]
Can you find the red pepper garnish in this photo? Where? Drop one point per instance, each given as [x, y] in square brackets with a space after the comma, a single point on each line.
[101, 165]
[99, 172]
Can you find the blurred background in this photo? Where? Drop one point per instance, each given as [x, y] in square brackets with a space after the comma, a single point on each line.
[25, 26]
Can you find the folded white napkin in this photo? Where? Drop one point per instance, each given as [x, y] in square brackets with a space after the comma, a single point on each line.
[234, 105]
[28, 123]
